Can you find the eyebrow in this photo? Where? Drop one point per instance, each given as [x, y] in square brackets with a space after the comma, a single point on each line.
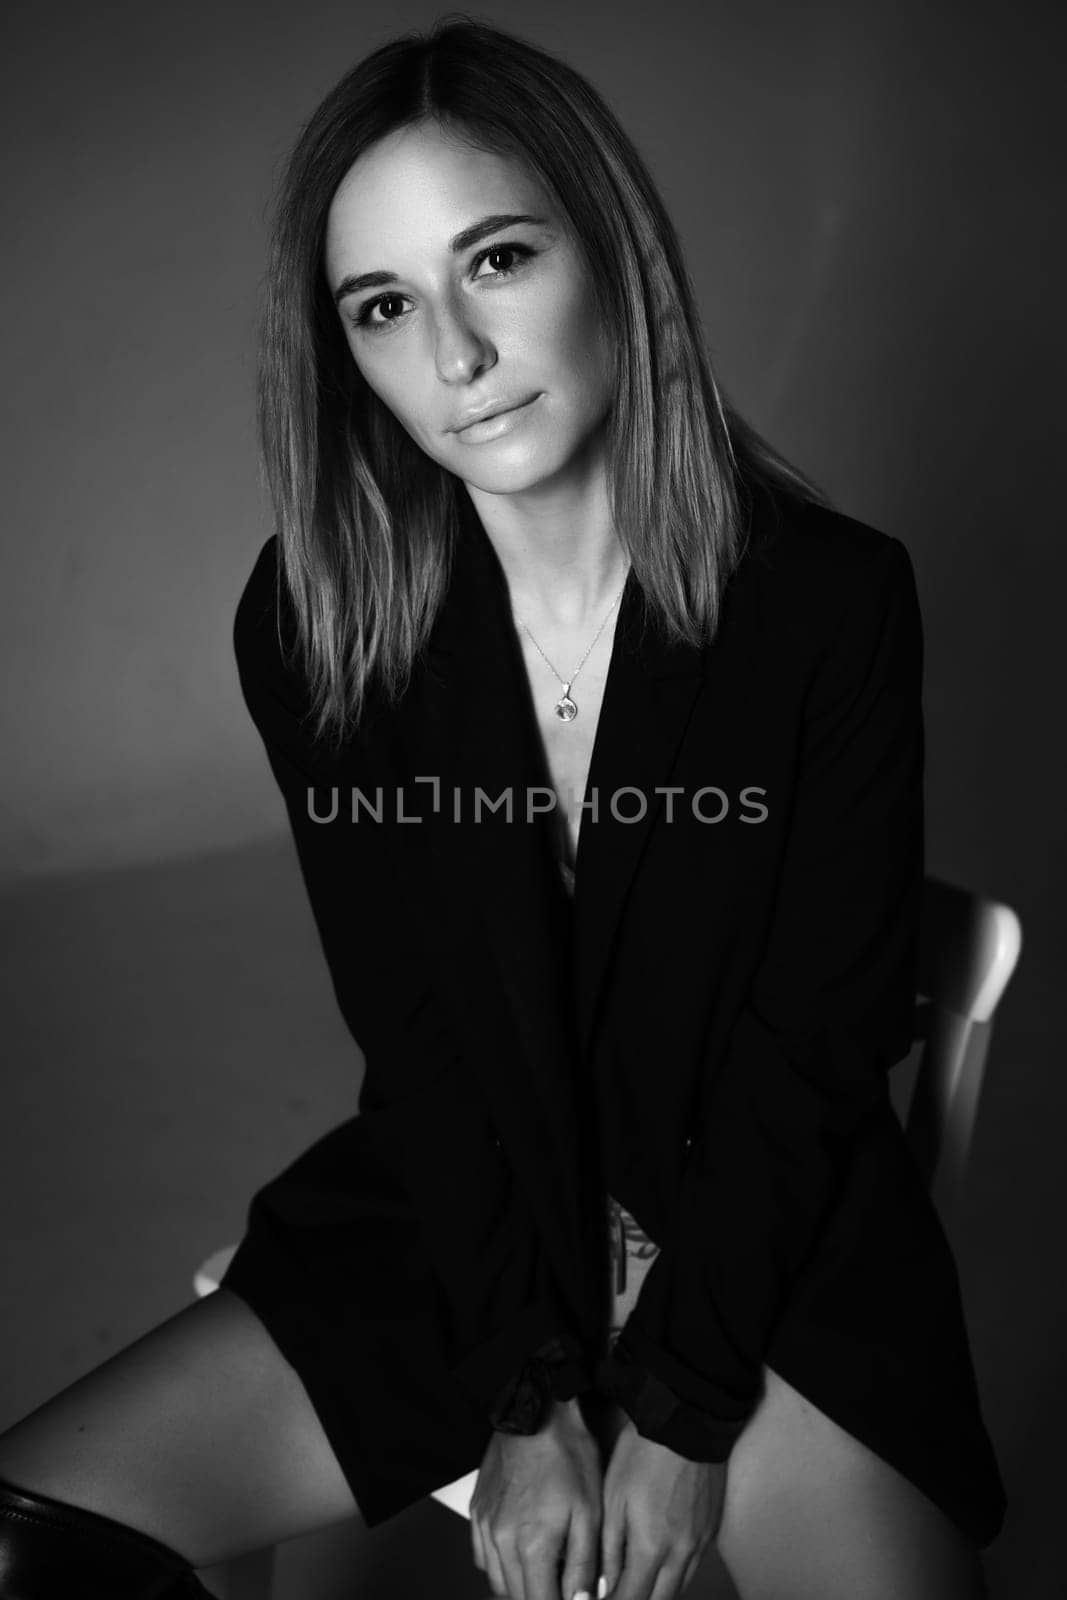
[457, 244]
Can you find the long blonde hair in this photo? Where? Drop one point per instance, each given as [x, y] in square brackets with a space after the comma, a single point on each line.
[366, 522]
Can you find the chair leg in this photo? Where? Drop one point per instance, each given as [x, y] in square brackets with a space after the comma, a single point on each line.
[251, 1577]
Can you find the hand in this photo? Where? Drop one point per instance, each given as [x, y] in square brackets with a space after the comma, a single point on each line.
[537, 1502]
[665, 1509]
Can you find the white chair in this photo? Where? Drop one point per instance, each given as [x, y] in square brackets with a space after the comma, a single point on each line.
[969, 947]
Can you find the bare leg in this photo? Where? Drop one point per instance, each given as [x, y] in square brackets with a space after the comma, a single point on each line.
[200, 1434]
[810, 1513]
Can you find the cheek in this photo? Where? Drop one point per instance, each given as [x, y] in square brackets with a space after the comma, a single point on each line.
[376, 381]
[584, 352]
[394, 392]
[576, 337]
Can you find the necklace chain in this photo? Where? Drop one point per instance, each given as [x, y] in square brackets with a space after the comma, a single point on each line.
[566, 709]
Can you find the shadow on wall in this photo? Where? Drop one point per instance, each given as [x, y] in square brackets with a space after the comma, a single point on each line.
[171, 1041]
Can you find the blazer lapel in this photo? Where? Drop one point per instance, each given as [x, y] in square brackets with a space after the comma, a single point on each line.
[651, 689]
[485, 733]
[473, 725]
[478, 728]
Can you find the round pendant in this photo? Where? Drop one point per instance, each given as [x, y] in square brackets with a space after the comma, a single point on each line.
[566, 710]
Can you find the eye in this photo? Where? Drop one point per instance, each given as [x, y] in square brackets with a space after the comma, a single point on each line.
[364, 318]
[521, 250]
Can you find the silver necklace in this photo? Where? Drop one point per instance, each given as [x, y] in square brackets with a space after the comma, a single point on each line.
[565, 707]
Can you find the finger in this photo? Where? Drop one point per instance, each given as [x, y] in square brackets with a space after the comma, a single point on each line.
[477, 1544]
[582, 1563]
[667, 1580]
[612, 1548]
[516, 1571]
[639, 1574]
[541, 1566]
[494, 1571]
[690, 1569]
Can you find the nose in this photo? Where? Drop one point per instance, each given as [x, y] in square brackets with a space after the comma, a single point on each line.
[462, 349]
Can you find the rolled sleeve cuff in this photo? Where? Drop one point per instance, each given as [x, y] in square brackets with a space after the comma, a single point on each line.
[493, 1369]
[705, 1432]
[556, 1371]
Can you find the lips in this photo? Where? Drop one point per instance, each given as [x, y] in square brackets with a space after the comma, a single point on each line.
[494, 409]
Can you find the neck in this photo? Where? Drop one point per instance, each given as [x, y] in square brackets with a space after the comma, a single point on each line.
[562, 559]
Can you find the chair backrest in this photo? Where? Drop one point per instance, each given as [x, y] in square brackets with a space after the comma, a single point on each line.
[968, 949]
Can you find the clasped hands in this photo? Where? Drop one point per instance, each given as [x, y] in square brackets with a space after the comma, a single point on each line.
[548, 1524]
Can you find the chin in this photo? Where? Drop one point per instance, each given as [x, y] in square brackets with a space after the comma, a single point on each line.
[502, 473]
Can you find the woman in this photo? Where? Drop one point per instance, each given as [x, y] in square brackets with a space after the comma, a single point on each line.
[601, 742]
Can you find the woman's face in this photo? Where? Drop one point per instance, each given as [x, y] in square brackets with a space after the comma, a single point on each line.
[468, 311]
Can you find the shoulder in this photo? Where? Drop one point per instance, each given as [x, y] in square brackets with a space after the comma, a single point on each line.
[255, 619]
[820, 574]
[264, 627]
[265, 639]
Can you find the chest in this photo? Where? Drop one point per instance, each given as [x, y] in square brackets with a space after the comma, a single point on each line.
[568, 745]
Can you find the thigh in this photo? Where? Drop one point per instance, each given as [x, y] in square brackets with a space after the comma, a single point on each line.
[200, 1434]
[810, 1513]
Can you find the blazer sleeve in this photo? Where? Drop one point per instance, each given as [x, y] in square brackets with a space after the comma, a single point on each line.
[502, 1308]
[829, 1009]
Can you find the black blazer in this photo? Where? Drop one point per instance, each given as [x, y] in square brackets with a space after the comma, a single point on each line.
[711, 1047]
